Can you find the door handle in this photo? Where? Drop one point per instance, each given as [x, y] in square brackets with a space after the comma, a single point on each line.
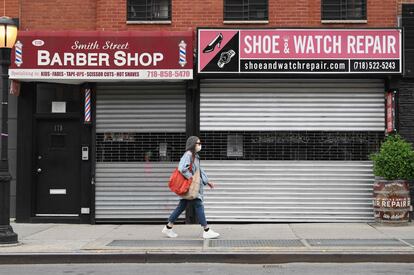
[39, 170]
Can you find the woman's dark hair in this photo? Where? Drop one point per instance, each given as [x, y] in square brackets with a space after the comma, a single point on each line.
[191, 144]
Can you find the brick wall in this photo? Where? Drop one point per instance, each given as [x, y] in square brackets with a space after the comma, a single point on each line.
[10, 8]
[282, 13]
[111, 14]
[58, 14]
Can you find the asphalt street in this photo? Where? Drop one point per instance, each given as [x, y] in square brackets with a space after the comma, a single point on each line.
[222, 269]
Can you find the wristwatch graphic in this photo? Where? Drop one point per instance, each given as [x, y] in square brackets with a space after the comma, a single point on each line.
[225, 58]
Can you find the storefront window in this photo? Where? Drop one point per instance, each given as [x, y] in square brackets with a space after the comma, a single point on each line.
[139, 147]
[289, 145]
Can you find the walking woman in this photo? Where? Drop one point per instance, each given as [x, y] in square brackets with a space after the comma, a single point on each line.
[188, 166]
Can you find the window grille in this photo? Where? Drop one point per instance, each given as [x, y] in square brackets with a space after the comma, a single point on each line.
[231, 145]
[139, 147]
[149, 10]
[246, 10]
[289, 145]
[344, 10]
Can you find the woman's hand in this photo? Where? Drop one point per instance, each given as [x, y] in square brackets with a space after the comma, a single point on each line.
[211, 185]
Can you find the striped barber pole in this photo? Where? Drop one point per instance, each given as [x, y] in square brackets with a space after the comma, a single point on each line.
[18, 53]
[183, 53]
[87, 106]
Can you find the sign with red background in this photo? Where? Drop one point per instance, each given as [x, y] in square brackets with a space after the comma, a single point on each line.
[102, 55]
[390, 112]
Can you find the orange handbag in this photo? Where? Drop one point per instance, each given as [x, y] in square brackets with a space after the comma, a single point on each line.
[178, 183]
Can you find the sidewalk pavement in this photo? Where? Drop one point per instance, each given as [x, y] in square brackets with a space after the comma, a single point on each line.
[238, 243]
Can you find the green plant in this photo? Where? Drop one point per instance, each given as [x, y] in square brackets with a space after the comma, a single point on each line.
[395, 160]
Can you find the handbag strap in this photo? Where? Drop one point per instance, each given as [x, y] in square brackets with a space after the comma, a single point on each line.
[191, 165]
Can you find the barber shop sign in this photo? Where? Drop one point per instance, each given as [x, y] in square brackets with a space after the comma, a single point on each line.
[103, 55]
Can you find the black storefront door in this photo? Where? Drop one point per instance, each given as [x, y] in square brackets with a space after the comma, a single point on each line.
[58, 167]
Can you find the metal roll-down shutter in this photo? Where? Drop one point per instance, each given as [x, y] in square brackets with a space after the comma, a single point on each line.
[315, 105]
[129, 187]
[291, 190]
[149, 108]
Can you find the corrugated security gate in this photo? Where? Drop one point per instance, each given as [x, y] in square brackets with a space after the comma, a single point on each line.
[290, 150]
[140, 136]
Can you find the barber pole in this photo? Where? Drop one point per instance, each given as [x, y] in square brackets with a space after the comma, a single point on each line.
[87, 106]
[14, 87]
[183, 53]
[18, 53]
[390, 98]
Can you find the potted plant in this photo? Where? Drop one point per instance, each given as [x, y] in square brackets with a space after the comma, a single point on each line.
[393, 167]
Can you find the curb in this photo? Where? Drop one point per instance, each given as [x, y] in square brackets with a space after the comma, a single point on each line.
[234, 258]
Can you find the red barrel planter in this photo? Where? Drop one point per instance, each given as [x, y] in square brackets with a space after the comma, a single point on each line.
[391, 201]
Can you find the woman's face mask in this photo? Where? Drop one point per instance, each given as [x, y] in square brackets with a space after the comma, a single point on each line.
[198, 147]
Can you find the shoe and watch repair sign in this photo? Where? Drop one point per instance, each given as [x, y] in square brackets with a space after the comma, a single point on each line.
[95, 56]
[302, 51]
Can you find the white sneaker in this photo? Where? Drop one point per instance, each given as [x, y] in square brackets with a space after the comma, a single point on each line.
[210, 234]
[169, 232]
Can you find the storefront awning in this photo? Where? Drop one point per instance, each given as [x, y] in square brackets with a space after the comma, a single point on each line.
[77, 57]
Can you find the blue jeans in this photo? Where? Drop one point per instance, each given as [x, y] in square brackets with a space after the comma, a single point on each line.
[199, 208]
